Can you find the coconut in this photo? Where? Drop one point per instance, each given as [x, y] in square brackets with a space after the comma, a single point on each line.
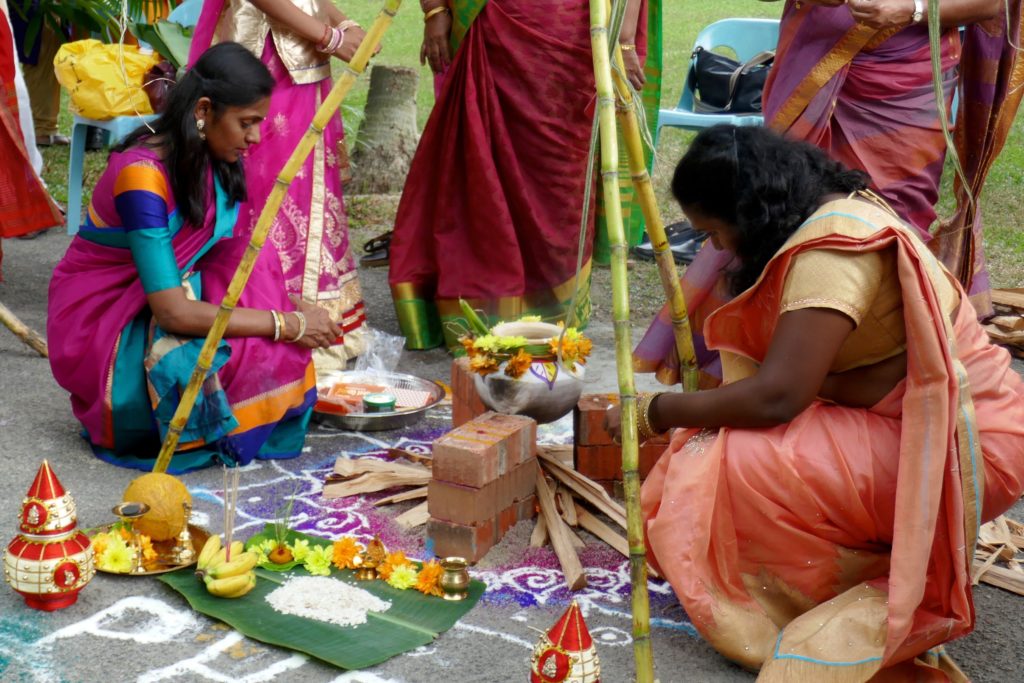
[166, 497]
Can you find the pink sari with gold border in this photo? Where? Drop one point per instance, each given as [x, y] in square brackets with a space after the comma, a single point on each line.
[838, 547]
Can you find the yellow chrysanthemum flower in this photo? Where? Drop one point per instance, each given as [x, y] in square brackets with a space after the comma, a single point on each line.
[117, 557]
[300, 549]
[403, 577]
[391, 562]
[318, 560]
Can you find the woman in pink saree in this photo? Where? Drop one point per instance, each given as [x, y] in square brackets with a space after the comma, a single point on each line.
[129, 304]
[855, 79]
[296, 39]
[817, 514]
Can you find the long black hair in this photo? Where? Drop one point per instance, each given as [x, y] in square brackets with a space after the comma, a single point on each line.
[230, 76]
[762, 184]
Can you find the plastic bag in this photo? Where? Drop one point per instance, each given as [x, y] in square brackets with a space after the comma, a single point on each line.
[92, 74]
[383, 351]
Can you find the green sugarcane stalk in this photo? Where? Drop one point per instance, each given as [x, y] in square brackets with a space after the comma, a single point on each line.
[259, 235]
[644, 189]
[623, 343]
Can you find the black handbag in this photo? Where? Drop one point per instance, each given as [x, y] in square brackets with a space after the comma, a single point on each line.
[723, 85]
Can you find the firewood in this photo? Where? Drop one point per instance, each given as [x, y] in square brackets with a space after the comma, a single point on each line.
[354, 476]
[404, 496]
[604, 532]
[558, 452]
[586, 489]
[1009, 323]
[414, 517]
[1007, 579]
[539, 537]
[1014, 298]
[575, 579]
[566, 506]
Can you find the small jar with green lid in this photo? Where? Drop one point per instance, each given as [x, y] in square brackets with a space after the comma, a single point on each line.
[379, 403]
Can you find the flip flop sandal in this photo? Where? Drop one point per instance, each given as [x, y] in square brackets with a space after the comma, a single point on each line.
[374, 259]
[377, 243]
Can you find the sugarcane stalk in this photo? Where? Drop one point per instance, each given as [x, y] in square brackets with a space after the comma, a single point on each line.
[644, 189]
[23, 331]
[259, 235]
[623, 343]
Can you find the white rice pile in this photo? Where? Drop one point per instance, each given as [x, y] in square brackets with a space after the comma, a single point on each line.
[325, 599]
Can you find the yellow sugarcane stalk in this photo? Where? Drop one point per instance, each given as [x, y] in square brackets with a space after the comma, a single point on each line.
[259, 235]
[623, 342]
[655, 227]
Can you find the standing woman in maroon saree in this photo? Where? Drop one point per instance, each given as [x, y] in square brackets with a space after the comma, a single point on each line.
[493, 202]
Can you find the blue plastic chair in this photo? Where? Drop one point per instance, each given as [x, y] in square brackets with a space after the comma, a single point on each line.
[746, 37]
[186, 14]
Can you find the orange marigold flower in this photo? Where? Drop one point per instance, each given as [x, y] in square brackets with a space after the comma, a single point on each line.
[467, 344]
[483, 364]
[345, 551]
[99, 543]
[428, 581]
[518, 364]
[125, 534]
[395, 559]
[149, 555]
[585, 346]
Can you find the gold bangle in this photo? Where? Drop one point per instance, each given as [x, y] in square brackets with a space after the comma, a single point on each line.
[626, 47]
[644, 428]
[437, 10]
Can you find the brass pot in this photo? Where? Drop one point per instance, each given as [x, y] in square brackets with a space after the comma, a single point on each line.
[455, 578]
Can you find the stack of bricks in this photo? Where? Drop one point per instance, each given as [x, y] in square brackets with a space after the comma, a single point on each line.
[484, 479]
[466, 403]
[595, 455]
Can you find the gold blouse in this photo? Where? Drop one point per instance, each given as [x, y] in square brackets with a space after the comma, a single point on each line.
[243, 23]
[865, 287]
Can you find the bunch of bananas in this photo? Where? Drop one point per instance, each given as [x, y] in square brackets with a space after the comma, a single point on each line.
[226, 578]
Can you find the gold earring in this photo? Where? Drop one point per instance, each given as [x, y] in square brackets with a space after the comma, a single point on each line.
[200, 124]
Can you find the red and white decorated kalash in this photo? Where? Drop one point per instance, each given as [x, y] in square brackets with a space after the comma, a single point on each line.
[50, 560]
[566, 653]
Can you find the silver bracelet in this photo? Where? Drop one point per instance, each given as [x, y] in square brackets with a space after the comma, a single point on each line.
[302, 326]
[277, 325]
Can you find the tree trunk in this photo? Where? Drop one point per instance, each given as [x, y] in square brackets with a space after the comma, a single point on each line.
[387, 136]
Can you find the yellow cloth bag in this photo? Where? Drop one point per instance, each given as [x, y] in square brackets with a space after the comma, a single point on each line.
[92, 74]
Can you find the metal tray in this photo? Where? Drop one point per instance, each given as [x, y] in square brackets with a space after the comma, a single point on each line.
[199, 536]
[370, 422]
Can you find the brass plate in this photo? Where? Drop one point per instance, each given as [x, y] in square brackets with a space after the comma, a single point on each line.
[199, 536]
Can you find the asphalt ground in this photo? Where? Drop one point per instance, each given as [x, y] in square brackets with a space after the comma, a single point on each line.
[138, 629]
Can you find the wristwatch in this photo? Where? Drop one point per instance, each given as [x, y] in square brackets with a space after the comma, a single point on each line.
[918, 14]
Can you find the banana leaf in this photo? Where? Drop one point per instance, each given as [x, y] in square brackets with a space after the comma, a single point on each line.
[170, 39]
[412, 621]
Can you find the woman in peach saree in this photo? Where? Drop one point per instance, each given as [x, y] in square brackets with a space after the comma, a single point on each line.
[817, 514]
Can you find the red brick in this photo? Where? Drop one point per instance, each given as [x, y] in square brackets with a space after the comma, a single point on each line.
[462, 540]
[588, 419]
[470, 505]
[522, 435]
[605, 462]
[599, 462]
[526, 508]
[463, 504]
[466, 403]
[522, 481]
[506, 520]
[470, 456]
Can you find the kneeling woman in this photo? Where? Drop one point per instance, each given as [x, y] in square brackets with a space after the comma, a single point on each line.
[817, 514]
[128, 308]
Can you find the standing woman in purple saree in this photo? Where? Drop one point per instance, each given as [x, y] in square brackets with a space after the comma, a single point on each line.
[128, 305]
[855, 79]
[295, 40]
